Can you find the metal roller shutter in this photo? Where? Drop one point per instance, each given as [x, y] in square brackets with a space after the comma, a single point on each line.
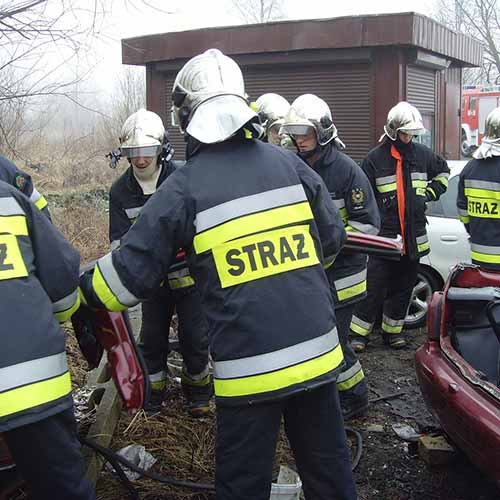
[421, 89]
[346, 89]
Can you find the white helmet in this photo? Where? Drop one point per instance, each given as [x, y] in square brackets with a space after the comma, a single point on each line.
[403, 118]
[272, 109]
[309, 111]
[142, 135]
[209, 100]
[490, 145]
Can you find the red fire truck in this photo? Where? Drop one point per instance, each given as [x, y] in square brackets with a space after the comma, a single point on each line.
[477, 102]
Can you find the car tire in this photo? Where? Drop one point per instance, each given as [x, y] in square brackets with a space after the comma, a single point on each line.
[427, 284]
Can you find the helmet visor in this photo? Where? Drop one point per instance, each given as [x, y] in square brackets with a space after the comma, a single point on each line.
[412, 131]
[296, 129]
[141, 152]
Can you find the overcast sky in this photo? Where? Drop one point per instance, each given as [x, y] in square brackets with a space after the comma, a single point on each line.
[130, 18]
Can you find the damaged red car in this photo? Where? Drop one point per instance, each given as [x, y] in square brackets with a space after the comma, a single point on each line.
[458, 367]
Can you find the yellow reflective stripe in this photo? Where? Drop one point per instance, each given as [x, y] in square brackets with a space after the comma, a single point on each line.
[387, 187]
[350, 228]
[391, 329]
[343, 214]
[41, 203]
[196, 383]
[465, 219]
[485, 257]
[422, 247]
[417, 183]
[104, 293]
[32, 395]
[482, 193]
[15, 224]
[359, 330]
[351, 382]
[253, 223]
[81, 297]
[182, 282]
[159, 385]
[442, 180]
[63, 316]
[264, 254]
[432, 192]
[248, 134]
[11, 260]
[483, 208]
[352, 291]
[280, 379]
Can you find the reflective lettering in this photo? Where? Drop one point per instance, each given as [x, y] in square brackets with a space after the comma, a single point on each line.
[3, 255]
[264, 254]
[485, 208]
[11, 261]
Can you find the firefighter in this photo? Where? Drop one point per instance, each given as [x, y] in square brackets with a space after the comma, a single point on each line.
[145, 144]
[309, 123]
[404, 175]
[38, 286]
[256, 223]
[478, 197]
[10, 174]
[272, 109]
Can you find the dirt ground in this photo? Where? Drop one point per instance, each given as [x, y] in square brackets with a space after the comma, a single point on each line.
[390, 468]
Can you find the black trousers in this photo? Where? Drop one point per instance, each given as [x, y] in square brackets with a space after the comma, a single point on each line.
[389, 286]
[48, 456]
[246, 445]
[193, 340]
[351, 383]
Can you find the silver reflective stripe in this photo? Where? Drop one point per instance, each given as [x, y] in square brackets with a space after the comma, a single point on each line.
[115, 244]
[35, 196]
[463, 211]
[364, 228]
[361, 323]
[392, 322]
[349, 281]
[179, 274]
[245, 205]
[30, 372]
[419, 176]
[422, 239]
[388, 179]
[485, 249]
[446, 175]
[276, 360]
[339, 203]
[114, 283]
[493, 186]
[158, 376]
[355, 368]
[10, 206]
[65, 303]
[197, 377]
[133, 213]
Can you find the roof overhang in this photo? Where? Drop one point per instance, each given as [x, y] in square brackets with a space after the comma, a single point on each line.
[408, 29]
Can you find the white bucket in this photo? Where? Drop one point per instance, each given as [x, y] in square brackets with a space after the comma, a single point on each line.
[288, 486]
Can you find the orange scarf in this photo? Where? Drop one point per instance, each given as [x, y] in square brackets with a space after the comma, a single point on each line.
[400, 191]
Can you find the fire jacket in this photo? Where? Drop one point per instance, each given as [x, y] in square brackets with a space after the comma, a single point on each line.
[38, 286]
[126, 200]
[255, 222]
[10, 174]
[352, 194]
[425, 176]
[478, 203]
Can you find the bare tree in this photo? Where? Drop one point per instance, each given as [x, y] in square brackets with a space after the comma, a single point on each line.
[480, 19]
[258, 11]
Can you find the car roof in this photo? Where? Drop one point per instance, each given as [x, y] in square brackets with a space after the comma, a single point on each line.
[456, 166]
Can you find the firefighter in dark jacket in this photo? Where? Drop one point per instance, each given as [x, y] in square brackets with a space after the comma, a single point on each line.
[256, 224]
[272, 109]
[478, 199]
[144, 142]
[39, 288]
[405, 175]
[10, 174]
[309, 123]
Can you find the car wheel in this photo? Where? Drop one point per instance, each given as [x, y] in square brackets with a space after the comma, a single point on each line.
[427, 284]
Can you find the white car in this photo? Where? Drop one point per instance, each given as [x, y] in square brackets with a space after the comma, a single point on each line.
[449, 243]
